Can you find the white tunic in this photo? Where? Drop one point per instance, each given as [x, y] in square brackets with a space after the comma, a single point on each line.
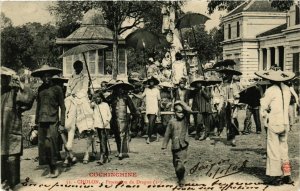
[152, 96]
[104, 109]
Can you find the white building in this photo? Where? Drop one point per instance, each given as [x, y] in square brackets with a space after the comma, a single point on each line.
[257, 36]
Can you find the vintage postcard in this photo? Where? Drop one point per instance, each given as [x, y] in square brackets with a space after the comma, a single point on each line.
[150, 95]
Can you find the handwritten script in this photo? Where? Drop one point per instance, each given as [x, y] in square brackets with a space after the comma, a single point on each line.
[220, 169]
[217, 185]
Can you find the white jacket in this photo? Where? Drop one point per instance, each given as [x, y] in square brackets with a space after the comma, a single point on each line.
[275, 105]
[105, 115]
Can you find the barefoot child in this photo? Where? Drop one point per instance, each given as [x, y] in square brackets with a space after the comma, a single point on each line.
[177, 130]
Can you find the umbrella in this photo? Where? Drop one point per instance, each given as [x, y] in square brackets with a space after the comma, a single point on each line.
[190, 20]
[141, 39]
[225, 63]
[82, 48]
[247, 94]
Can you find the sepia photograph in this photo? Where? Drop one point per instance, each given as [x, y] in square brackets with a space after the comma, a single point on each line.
[150, 95]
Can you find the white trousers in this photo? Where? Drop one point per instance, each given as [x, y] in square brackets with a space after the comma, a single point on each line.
[277, 153]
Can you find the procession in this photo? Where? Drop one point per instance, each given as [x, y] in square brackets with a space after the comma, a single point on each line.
[96, 112]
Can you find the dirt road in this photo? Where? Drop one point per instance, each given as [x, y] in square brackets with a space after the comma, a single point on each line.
[212, 165]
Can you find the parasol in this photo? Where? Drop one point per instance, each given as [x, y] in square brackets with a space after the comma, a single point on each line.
[190, 20]
[249, 94]
[141, 39]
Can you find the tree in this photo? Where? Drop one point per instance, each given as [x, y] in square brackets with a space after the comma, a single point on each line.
[230, 5]
[16, 47]
[29, 46]
[217, 35]
[44, 48]
[116, 13]
[5, 21]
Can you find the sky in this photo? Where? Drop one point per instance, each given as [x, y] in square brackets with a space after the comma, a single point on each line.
[21, 12]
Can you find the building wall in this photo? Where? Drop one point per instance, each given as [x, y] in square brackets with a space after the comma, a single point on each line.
[252, 24]
[293, 47]
[245, 54]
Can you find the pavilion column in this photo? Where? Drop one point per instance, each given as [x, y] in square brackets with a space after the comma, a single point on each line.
[268, 58]
[261, 59]
[277, 56]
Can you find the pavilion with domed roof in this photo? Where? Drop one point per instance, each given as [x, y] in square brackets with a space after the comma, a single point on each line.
[93, 30]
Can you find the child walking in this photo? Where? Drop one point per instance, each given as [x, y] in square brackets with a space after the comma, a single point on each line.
[177, 130]
[102, 117]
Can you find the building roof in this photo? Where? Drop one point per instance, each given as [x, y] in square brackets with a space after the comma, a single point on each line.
[93, 27]
[273, 31]
[92, 32]
[253, 6]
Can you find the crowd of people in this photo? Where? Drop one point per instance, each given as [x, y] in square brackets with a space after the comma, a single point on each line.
[208, 105]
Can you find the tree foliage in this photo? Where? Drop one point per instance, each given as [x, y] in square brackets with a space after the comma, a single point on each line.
[5, 21]
[230, 5]
[29, 46]
[116, 13]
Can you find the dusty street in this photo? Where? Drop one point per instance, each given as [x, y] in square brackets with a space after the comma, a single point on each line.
[212, 165]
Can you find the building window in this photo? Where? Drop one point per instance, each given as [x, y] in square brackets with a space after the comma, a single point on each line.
[296, 63]
[105, 60]
[229, 31]
[238, 29]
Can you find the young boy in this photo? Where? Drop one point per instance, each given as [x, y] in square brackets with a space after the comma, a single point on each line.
[177, 130]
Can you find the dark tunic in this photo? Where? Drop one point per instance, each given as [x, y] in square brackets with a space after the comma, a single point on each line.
[13, 102]
[11, 123]
[49, 99]
[120, 119]
[201, 101]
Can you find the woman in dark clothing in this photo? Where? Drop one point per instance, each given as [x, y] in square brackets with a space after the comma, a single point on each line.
[119, 101]
[50, 98]
[11, 126]
[201, 103]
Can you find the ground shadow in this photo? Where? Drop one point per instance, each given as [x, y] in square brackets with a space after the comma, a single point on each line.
[259, 172]
[261, 151]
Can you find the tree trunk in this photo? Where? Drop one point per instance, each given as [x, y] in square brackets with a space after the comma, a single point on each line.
[115, 63]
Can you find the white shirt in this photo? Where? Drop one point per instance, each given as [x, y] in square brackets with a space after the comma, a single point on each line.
[152, 96]
[105, 114]
[278, 104]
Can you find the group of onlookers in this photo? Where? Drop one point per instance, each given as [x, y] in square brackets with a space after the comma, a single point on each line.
[207, 105]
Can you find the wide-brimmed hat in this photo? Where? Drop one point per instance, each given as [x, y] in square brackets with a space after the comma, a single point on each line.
[156, 81]
[166, 85]
[121, 85]
[199, 79]
[59, 79]
[7, 71]
[46, 69]
[213, 80]
[224, 63]
[276, 75]
[184, 106]
[229, 71]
